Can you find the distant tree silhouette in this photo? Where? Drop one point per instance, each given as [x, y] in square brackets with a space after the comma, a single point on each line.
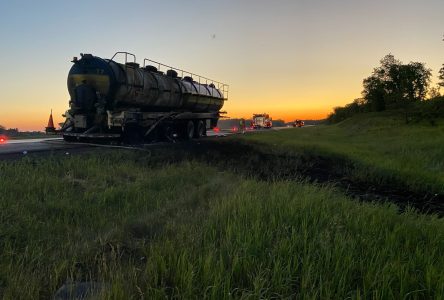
[434, 93]
[394, 84]
[278, 123]
[441, 76]
[2, 129]
[374, 93]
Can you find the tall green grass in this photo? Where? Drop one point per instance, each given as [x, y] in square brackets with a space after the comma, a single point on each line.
[150, 228]
[379, 148]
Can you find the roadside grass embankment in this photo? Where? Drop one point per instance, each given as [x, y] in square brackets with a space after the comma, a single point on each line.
[376, 149]
[151, 225]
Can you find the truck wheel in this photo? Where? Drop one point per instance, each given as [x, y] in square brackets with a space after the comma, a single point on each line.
[200, 130]
[204, 127]
[132, 135]
[189, 132]
[168, 133]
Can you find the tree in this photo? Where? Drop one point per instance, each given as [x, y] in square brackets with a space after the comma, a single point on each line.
[394, 84]
[374, 93]
[441, 76]
[2, 129]
[434, 92]
[416, 81]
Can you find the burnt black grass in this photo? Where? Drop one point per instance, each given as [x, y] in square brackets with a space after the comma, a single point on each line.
[164, 224]
[377, 149]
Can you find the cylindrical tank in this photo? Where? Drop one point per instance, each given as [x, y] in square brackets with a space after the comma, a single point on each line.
[129, 86]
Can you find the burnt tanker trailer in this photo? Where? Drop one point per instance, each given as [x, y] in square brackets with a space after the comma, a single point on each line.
[127, 102]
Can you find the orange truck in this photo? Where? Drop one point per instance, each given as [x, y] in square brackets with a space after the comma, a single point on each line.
[298, 123]
[262, 121]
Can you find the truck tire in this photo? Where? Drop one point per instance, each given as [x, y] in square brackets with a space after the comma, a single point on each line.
[189, 130]
[200, 129]
[168, 133]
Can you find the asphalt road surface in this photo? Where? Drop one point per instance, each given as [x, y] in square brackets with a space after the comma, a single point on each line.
[17, 148]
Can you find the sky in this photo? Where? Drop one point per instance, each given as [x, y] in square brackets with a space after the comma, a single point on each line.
[292, 59]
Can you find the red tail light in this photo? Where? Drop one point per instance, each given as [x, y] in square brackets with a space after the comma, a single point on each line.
[216, 129]
[3, 139]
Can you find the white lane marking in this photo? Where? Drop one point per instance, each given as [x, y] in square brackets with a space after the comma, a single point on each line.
[26, 141]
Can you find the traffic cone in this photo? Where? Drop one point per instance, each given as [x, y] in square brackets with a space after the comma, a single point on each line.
[50, 128]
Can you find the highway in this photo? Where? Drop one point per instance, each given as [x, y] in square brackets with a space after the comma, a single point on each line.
[15, 148]
[18, 148]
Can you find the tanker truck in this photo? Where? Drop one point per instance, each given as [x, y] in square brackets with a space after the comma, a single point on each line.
[132, 103]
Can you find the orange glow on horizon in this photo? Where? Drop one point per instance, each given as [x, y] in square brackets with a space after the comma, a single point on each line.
[286, 116]
[31, 122]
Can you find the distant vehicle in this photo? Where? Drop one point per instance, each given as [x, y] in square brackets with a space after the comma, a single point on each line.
[262, 121]
[3, 139]
[133, 103]
[298, 123]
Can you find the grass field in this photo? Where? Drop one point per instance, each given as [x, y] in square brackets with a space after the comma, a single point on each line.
[377, 148]
[147, 225]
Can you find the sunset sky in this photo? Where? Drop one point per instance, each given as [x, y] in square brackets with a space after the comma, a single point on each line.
[291, 59]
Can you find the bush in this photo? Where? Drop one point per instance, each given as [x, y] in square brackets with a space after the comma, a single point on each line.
[429, 110]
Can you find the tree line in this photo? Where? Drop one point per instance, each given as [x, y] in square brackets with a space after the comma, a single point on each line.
[395, 85]
[10, 131]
